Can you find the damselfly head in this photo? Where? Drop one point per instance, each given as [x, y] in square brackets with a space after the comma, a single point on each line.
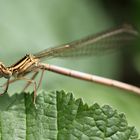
[4, 71]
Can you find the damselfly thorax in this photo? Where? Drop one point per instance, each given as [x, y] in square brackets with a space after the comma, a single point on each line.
[25, 65]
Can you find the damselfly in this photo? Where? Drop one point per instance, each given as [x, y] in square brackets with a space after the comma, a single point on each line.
[91, 45]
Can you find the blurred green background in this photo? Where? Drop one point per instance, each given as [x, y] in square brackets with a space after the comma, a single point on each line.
[31, 26]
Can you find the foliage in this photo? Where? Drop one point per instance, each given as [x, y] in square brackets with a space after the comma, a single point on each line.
[58, 115]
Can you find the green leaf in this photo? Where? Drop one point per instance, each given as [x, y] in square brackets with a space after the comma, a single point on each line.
[58, 116]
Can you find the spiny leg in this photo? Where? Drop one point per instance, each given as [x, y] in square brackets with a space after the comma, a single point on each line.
[16, 79]
[30, 81]
[32, 78]
[22, 78]
[7, 85]
[40, 79]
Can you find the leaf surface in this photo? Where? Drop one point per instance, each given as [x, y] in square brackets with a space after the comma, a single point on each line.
[59, 116]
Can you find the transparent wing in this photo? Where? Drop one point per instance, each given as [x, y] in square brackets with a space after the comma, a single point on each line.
[92, 45]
